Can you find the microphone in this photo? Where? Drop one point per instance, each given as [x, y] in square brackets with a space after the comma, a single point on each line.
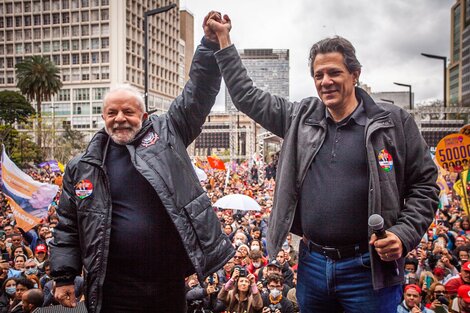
[376, 223]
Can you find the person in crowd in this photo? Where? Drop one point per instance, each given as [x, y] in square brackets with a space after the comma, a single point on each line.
[170, 215]
[462, 279]
[257, 261]
[225, 272]
[260, 225]
[40, 257]
[412, 301]
[22, 285]
[293, 254]
[47, 274]
[17, 240]
[8, 294]
[411, 266]
[287, 272]
[32, 300]
[292, 294]
[239, 259]
[272, 267]
[273, 301]
[204, 296]
[461, 303]
[390, 172]
[437, 297]
[50, 286]
[240, 293]
[18, 266]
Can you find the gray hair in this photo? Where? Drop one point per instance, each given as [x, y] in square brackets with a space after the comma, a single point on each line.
[335, 44]
[129, 88]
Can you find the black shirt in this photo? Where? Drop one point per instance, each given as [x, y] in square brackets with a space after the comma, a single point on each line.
[147, 261]
[333, 202]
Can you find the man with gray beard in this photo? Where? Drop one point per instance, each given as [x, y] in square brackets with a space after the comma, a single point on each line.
[133, 216]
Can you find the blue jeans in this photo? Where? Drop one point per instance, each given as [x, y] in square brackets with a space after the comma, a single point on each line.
[325, 285]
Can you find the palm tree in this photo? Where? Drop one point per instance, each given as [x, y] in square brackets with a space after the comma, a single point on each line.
[38, 79]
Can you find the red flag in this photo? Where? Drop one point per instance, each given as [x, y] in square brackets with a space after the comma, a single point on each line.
[216, 163]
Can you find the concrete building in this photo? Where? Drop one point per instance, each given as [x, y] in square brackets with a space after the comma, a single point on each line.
[269, 69]
[187, 35]
[459, 66]
[399, 98]
[96, 44]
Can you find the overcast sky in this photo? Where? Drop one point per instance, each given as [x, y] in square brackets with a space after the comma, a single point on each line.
[388, 35]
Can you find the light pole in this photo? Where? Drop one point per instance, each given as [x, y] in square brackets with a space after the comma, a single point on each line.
[411, 95]
[146, 61]
[444, 59]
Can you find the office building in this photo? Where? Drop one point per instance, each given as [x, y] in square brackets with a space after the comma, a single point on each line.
[96, 44]
[269, 69]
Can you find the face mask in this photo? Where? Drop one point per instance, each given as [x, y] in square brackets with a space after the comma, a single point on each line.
[275, 293]
[31, 271]
[256, 264]
[238, 242]
[36, 286]
[10, 290]
[254, 248]
[407, 272]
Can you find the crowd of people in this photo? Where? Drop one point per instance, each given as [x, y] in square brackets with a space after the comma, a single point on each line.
[437, 272]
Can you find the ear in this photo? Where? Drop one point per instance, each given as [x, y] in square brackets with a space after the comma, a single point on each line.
[356, 75]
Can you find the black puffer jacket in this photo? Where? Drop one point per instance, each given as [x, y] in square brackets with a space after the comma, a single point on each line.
[82, 236]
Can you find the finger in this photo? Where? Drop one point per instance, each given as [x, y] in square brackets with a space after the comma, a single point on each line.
[227, 18]
[373, 238]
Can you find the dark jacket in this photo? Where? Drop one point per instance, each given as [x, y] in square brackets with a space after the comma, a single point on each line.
[406, 196]
[210, 302]
[82, 237]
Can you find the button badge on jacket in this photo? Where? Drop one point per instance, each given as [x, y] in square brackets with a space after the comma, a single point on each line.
[84, 188]
[385, 160]
[149, 139]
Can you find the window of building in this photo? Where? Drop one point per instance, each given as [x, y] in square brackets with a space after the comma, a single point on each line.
[28, 48]
[65, 31]
[105, 29]
[46, 4]
[10, 63]
[95, 15]
[75, 45]
[95, 43]
[95, 57]
[98, 93]
[56, 46]
[104, 2]
[85, 16]
[65, 4]
[56, 18]
[27, 34]
[81, 122]
[75, 17]
[85, 44]
[96, 108]
[104, 14]
[65, 17]
[85, 3]
[65, 59]
[2, 23]
[85, 58]
[2, 63]
[46, 19]
[75, 4]
[104, 43]
[56, 32]
[85, 30]
[75, 58]
[95, 73]
[55, 5]
[9, 8]
[27, 6]
[105, 72]
[37, 33]
[9, 21]
[62, 108]
[95, 30]
[37, 19]
[81, 94]
[19, 48]
[75, 30]
[85, 76]
[37, 47]
[10, 78]
[56, 59]
[104, 57]
[18, 21]
[46, 46]
[18, 35]
[27, 20]
[18, 8]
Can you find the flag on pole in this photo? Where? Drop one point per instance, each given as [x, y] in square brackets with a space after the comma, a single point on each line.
[29, 199]
[216, 163]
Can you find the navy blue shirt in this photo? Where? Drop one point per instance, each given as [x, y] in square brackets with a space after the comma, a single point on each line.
[334, 195]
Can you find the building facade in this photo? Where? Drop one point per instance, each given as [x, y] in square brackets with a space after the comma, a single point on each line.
[269, 69]
[459, 66]
[96, 44]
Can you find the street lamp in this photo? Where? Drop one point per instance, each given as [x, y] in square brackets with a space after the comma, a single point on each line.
[146, 62]
[409, 86]
[444, 59]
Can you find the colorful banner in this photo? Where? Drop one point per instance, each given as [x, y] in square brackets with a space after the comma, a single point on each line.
[53, 165]
[28, 198]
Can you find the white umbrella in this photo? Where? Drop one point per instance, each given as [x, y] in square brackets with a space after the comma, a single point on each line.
[237, 202]
[201, 175]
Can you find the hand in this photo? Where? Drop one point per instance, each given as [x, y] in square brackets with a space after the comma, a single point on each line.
[211, 289]
[252, 278]
[415, 309]
[266, 310]
[389, 248]
[236, 273]
[208, 32]
[435, 304]
[65, 295]
[221, 27]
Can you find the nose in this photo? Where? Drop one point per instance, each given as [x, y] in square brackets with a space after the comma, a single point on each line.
[326, 81]
[120, 117]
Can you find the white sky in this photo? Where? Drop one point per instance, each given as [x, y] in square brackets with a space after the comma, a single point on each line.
[388, 36]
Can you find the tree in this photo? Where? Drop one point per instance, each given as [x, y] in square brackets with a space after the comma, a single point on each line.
[69, 144]
[14, 107]
[38, 79]
[19, 146]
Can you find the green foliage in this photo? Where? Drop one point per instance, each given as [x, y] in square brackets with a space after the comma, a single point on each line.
[19, 146]
[14, 107]
[38, 79]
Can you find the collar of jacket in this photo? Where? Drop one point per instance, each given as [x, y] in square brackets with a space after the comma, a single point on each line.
[98, 146]
[373, 111]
